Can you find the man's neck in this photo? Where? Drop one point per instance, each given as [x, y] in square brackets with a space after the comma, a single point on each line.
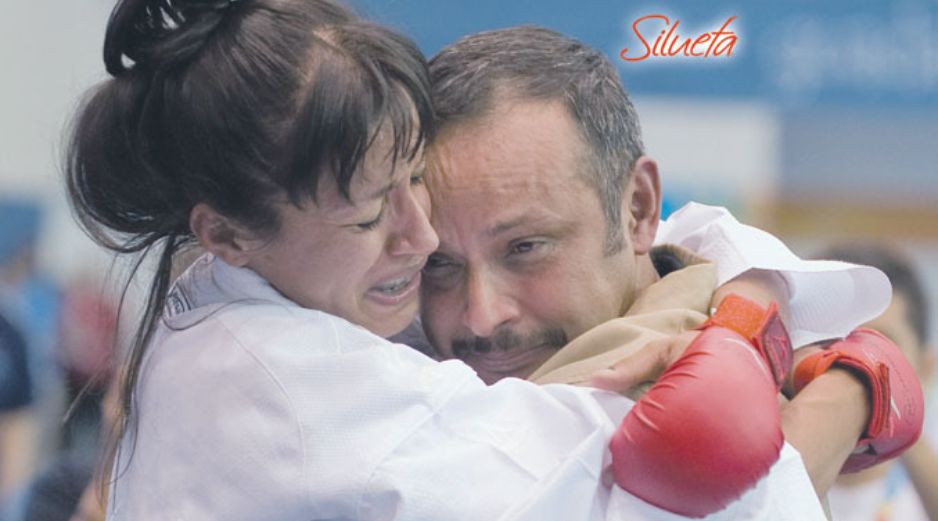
[645, 275]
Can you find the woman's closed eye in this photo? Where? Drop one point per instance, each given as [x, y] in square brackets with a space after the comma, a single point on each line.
[372, 224]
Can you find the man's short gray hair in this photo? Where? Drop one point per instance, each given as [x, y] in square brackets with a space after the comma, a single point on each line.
[537, 63]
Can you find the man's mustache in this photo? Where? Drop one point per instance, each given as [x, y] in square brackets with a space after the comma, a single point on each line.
[505, 339]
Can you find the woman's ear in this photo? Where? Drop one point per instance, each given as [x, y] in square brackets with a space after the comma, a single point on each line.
[221, 235]
[642, 204]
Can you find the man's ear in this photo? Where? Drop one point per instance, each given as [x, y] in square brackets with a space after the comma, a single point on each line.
[222, 236]
[641, 204]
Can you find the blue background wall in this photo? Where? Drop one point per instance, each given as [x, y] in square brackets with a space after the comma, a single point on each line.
[795, 53]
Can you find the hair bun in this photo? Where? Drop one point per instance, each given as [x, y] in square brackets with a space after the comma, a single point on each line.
[159, 33]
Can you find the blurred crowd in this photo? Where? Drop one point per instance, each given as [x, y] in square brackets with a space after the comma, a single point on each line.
[56, 353]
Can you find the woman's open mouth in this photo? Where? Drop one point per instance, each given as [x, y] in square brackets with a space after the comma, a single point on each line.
[397, 290]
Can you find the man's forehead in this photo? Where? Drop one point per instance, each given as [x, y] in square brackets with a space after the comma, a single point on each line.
[470, 182]
[511, 114]
[494, 207]
[472, 232]
[527, 146]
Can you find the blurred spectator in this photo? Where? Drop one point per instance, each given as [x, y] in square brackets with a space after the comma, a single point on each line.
[15, 398]
[87, 327]
[55, 495]
[70, 490]
[55, 349]
[30, 301]
[64, 489]
[91, 505]
[905, 489]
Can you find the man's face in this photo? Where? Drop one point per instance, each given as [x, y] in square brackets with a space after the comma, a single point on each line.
[521, 266]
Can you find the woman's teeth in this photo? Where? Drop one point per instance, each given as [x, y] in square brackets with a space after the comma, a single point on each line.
[394, 286]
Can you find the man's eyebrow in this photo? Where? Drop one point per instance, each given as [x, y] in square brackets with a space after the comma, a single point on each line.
[504, 226]
[546, 224]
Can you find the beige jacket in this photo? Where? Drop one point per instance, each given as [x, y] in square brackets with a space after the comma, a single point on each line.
[677, 302]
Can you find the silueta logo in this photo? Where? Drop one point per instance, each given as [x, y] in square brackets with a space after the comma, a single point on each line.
[670, 43]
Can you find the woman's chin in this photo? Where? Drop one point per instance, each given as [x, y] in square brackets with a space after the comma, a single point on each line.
[391, 322]
[390, 312]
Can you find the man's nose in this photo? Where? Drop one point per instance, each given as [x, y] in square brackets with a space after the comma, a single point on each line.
[487, 304]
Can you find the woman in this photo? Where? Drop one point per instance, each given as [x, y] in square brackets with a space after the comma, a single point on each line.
[286, 138]
[222, 125]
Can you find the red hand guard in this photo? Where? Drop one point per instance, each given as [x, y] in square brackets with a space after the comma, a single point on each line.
[710, 427]
[898, 407]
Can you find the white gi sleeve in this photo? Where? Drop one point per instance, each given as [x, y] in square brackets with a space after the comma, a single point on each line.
[828, 298]
[515, 451]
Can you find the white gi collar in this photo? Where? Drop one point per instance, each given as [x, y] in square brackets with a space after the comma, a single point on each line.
[210, 284]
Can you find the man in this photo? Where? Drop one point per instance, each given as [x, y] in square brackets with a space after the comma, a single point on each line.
[533, 127]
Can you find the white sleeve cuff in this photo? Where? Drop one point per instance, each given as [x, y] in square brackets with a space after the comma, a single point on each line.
[828, 298]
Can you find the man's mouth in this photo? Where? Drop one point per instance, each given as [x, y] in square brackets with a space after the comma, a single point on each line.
[519, 362]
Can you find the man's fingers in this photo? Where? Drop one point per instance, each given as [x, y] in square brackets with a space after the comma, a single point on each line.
[643, 366]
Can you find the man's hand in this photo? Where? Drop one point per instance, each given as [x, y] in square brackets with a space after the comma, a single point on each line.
[633, 375]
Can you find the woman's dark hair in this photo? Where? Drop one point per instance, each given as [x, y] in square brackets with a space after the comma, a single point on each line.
[230, 103]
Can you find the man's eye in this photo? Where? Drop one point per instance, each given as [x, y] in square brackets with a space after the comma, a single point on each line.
[417, 179]
[528, 252]
[523, 247]
[435, 262]
[440, 270]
